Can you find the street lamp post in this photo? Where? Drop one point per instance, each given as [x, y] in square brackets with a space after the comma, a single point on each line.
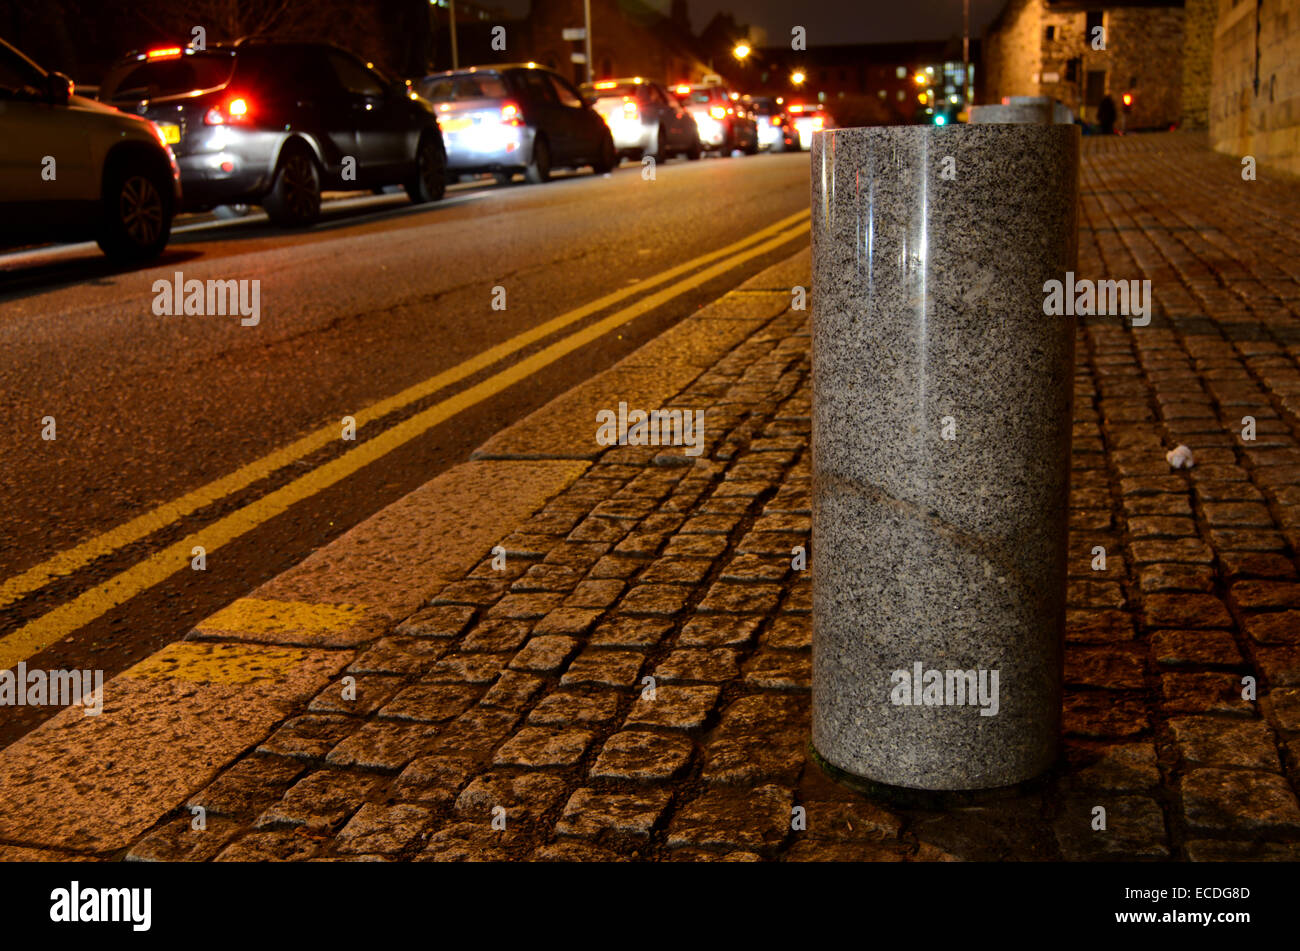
[965, 52]
[455, 56]
[586, 13]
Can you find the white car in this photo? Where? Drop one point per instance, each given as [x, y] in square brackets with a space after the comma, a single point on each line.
[72, 168]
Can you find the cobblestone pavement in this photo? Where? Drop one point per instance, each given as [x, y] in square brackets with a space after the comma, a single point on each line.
[518, 698]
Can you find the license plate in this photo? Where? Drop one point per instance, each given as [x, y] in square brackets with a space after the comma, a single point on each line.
[455, 125]
[171, 132]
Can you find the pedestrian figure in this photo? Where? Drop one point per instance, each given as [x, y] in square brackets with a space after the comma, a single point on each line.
[1106, 115]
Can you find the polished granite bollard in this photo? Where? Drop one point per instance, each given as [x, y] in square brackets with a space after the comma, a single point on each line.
[941, 450]
[1023, 109]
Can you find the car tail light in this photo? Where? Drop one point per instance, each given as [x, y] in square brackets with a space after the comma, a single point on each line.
[510, 114]
[164, 53]
[683, 90]
[818, 122]
[629, 109]
[776, 120]
[718, 112]
[233, 111]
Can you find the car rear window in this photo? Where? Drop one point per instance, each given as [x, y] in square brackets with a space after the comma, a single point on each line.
[170, 77]
[475, 86]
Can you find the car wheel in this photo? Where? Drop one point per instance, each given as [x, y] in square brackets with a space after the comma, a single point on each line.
[695, 151]
[294, 198]
[608, 159]
[539, 169]
[504, 178]
[137, 212]
[428, 181]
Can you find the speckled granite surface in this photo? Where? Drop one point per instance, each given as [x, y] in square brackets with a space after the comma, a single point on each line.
[944, 552]
[1023, 109]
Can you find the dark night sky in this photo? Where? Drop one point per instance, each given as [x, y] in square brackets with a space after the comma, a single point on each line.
[838, 21]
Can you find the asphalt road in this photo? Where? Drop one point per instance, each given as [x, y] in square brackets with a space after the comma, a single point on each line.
[378, 297]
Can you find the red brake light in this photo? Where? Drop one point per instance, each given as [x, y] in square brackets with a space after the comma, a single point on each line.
[776, 120]
[683, 90]
[233, 111]
[510, 114]
[163, 53]
[717, 112]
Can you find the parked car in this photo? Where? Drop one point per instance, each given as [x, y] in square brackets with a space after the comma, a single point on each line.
[724, 123]
[516, 118]
[71, 168]
[776, 131]
[644, 118]
[807, 120]
[274, 123]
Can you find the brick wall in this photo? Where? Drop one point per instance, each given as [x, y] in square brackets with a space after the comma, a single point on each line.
[1144, 49]
[1144, 53]
[1013, 52]
[1244, 120]
[1198, 45]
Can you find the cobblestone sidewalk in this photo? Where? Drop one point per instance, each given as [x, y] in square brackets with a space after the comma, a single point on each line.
[510, 718]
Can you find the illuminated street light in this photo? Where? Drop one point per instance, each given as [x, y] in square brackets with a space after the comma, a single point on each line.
[797, 77]
[920, 79]
[741, 51]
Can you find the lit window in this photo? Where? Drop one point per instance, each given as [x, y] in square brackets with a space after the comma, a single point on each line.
[900, 95]
[901, 72]
[881, 94]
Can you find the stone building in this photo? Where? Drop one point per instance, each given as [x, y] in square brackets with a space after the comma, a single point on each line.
[1079, 51]
[1199, 17]
[1255, 86]
[629, 38]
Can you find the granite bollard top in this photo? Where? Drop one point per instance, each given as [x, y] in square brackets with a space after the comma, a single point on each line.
[941, 450]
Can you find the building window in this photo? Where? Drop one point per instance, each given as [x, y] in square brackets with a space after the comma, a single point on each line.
[900, 95]
[1051, 32]
[1072, 70]
[901, 72]
[881, 94]
[1094, 19]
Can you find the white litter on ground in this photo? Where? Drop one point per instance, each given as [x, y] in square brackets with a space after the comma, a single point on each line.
[1180, 457]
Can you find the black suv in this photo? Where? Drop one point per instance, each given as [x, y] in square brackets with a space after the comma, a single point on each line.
[274, 122]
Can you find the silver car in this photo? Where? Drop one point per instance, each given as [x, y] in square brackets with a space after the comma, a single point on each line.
[71, 168]
[516, 118]
[644, 118]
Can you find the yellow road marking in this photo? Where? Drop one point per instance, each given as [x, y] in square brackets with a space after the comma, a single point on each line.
[219, 663]
[68, 617]
[77, 557]
[260, 616]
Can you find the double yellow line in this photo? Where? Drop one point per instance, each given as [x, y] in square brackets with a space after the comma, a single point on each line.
[72, 615]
